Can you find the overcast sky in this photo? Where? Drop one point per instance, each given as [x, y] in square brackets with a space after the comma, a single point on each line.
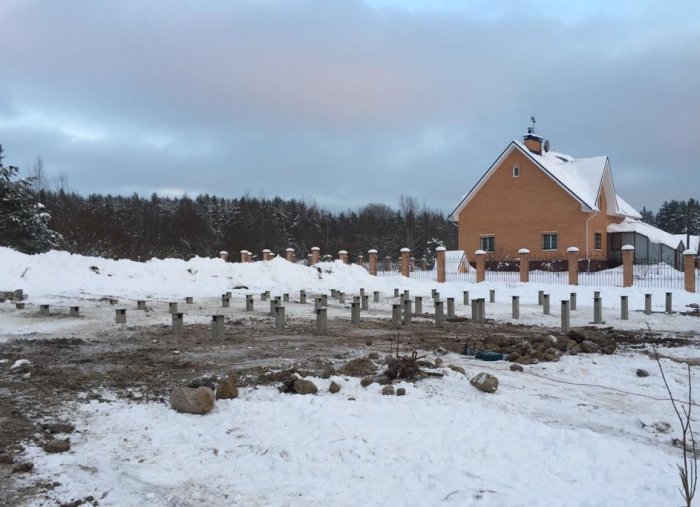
[347, 101]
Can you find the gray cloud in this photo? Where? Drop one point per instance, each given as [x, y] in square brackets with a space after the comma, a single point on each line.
[346, 102]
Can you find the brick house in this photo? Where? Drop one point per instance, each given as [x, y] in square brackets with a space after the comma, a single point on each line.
[535, 198]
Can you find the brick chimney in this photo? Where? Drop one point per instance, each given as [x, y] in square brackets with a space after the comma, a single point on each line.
[533, 142]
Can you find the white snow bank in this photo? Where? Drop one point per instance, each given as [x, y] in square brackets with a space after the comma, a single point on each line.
[535, 442]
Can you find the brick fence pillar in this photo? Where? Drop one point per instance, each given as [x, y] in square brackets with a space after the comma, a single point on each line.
[290, 254]
[480, 266]
[440, 263]
[689, 269]
[627, 265]
[223, 254]
[372, 262]
[343, 256]
[315, 255]
[524, 255]
[572, 261]
[405, 262]
[267, 255]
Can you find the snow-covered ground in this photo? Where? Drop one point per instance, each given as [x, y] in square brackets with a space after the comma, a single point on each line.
[584, 431]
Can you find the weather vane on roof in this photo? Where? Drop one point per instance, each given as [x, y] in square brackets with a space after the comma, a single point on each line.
[532, 119]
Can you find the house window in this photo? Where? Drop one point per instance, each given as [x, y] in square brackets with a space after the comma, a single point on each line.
[550, 241]
[516, 171]
[488, 243]
[598, 241]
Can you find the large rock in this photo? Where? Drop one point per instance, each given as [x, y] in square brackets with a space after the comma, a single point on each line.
[226, 389]
[302, 386]
[388, 391]
[589, 347]
[334, 387]
[485, 382]
[358, 367]
[642, 373]
[192, 400]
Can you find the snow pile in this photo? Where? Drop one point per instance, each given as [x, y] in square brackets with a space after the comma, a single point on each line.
[60, 273]
[535, 442]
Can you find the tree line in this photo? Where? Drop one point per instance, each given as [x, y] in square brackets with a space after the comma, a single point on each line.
[141, 228]
[675, 217]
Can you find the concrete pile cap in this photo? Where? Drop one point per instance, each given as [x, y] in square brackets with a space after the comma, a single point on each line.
[523, 251]
[572, 249]
[627, 247]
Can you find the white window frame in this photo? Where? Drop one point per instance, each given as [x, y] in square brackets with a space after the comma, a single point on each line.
[544, 241]
[516, 171]
[491, 237]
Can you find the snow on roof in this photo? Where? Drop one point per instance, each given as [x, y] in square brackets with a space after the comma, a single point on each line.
[626, 209]
[582, 176]
[649, 231]
[694, 241]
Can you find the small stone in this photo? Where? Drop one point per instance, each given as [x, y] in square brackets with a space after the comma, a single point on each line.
[21, 468]
[401, 391]
[388, 391]
[334, 387]
[55, 446]
[577, 336]
[374, 356]
[192, 400]
[438, 362]
[485, 382]
[456, 368]
[365, 382]
[59, 427]
[226, 390]
[516, 367]
[526, 360]
[328, 372]
[642, 373]
[6, 459]
[302, 386]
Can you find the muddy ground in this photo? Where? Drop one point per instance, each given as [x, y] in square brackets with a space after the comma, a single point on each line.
[144, 363]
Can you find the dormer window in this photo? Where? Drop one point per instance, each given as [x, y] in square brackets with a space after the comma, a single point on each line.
[516, 171]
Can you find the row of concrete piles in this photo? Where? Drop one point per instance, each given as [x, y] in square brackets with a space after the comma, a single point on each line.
[402, 311]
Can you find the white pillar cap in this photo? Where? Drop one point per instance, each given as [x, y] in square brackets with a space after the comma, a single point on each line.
[440, 249]
[572, 249]
[315, 248]
[405, 250]
[523, 251]
[267, 251]
[223, 252]
[342, 252]
[480, 252]
[289, 250]
[690, 251]
[627, 247]
[372, 251]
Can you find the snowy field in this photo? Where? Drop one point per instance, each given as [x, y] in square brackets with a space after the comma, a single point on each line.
[584, 431]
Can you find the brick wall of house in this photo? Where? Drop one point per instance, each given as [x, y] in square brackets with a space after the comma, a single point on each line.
[517, 211]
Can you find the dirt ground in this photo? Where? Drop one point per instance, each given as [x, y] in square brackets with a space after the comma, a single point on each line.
[144, 363]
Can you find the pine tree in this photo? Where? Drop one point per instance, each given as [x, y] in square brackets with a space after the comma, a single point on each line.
[24, 222]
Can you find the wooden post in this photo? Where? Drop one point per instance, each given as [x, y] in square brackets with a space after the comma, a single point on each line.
[372, 262]
[406, 262]
[440, 261]
[572, 261]
[524, 254]
[480, 265]
[689, 269]
[627, 265]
